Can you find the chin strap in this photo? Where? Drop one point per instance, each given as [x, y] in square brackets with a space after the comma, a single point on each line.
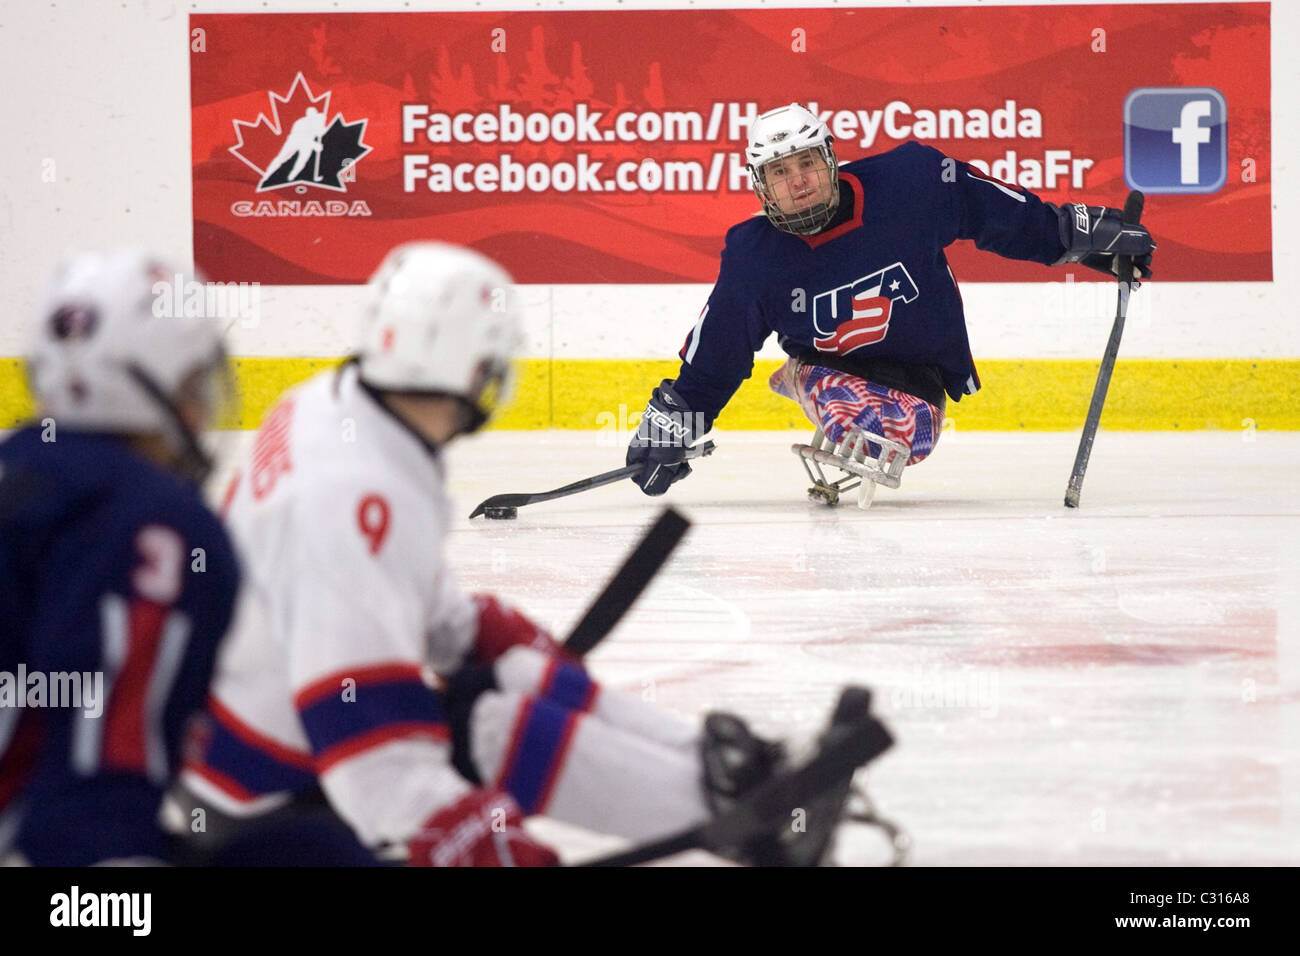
[472, 418]
[192, 462]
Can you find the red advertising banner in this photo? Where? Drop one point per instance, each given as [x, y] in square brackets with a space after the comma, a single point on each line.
[607, 146]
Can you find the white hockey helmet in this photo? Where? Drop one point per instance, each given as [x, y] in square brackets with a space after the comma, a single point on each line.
[441, 321]
[109, 354]
[779, 134]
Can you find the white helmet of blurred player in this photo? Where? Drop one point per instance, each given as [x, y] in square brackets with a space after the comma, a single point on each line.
[441, 321]
[793, 169]
[110, 355]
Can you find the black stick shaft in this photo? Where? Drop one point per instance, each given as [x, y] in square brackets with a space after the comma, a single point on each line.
[518, 500]
[583, 484]
[1132, 214]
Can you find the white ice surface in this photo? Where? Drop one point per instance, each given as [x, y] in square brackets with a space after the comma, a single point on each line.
[1114, 685]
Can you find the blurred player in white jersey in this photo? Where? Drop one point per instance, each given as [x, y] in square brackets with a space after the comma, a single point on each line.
[323, 694]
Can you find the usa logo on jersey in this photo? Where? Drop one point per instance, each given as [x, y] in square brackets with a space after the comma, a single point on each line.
[857, 314]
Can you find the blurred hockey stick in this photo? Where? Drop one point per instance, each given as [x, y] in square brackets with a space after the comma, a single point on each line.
[511, 501]
[626, 586]
[844, 748]
[1132, 214]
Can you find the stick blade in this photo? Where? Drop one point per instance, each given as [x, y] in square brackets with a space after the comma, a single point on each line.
[500, 501]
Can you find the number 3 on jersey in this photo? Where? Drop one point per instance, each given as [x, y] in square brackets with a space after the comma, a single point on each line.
[143, 646]
[372, 519]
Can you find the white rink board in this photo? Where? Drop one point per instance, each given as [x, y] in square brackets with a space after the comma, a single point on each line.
[122, 84]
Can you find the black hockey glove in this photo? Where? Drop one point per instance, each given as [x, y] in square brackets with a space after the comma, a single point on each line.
[667, 429]
[1094, 235]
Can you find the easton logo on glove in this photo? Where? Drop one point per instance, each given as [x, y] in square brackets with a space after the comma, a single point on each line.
[665, 432]
[665, 422]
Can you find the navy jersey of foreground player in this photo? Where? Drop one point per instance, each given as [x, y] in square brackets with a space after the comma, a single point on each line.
[99, 572]
[874, 286]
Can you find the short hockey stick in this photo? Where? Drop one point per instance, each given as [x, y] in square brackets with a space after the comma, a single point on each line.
[626, 586]
[510, 501]
[846, 747]
[1132, 214]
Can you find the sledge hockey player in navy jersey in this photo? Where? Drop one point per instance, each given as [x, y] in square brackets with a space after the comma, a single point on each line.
[847, 268]
[116, 582]
[359, 677]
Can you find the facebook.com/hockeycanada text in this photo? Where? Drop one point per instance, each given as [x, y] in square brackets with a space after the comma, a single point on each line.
[596, 146]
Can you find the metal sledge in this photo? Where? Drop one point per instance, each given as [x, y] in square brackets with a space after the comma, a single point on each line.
[850, 456]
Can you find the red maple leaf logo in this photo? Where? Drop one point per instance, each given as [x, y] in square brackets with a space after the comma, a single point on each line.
[260, 141]
[298, 143]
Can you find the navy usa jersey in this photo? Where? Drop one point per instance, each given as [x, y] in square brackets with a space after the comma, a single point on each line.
[874, 287]
[109, 566]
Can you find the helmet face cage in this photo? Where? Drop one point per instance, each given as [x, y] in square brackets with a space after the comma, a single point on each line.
[805, 222]
[216, 388]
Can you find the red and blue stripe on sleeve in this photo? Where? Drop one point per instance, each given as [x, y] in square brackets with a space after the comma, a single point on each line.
[539, 741]
[539, 745]
[568, 685]
[353, 711]
[245, 764]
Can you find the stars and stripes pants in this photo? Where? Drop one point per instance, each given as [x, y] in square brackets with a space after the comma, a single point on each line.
[837, 401]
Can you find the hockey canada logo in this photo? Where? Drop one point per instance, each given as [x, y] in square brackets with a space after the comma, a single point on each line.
[299, 147]
[857, 314]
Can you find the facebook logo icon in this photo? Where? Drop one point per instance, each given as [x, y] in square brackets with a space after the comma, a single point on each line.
[1176, 139]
